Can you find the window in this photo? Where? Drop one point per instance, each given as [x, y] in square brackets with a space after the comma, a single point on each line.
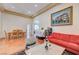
[36, 25]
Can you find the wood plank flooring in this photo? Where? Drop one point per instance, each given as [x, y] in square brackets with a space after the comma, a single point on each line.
[11, 46]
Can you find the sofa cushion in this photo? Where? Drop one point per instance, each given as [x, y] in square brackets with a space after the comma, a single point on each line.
[66, 37]
[75, 41]
[65, 44]
[60, 36]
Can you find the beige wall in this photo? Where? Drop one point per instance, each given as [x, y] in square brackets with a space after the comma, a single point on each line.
[0, 23]
[10, 22]
[45, 19]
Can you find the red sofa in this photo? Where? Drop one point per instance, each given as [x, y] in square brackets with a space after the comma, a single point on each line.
[69, 42]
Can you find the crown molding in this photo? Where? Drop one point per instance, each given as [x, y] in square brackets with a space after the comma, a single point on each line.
[14, 13]
[46, 8]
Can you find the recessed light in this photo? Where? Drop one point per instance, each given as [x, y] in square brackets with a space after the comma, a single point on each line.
[13, 7]
[29, 12]
[35, 5]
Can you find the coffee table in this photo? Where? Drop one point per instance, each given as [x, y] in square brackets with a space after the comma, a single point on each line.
[40, 50]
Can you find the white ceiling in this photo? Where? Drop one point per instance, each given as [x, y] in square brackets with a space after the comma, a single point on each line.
[25, 8]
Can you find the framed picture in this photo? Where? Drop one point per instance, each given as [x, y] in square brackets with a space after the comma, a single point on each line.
[62, 17]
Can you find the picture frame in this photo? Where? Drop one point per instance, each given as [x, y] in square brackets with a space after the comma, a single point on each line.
[62, 17]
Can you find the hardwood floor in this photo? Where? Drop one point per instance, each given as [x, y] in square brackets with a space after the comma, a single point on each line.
[17, 47]
[11, 46]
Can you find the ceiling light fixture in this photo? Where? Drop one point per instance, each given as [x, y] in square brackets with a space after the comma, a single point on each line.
[29, 12]
[13, 7]
[35, 5]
